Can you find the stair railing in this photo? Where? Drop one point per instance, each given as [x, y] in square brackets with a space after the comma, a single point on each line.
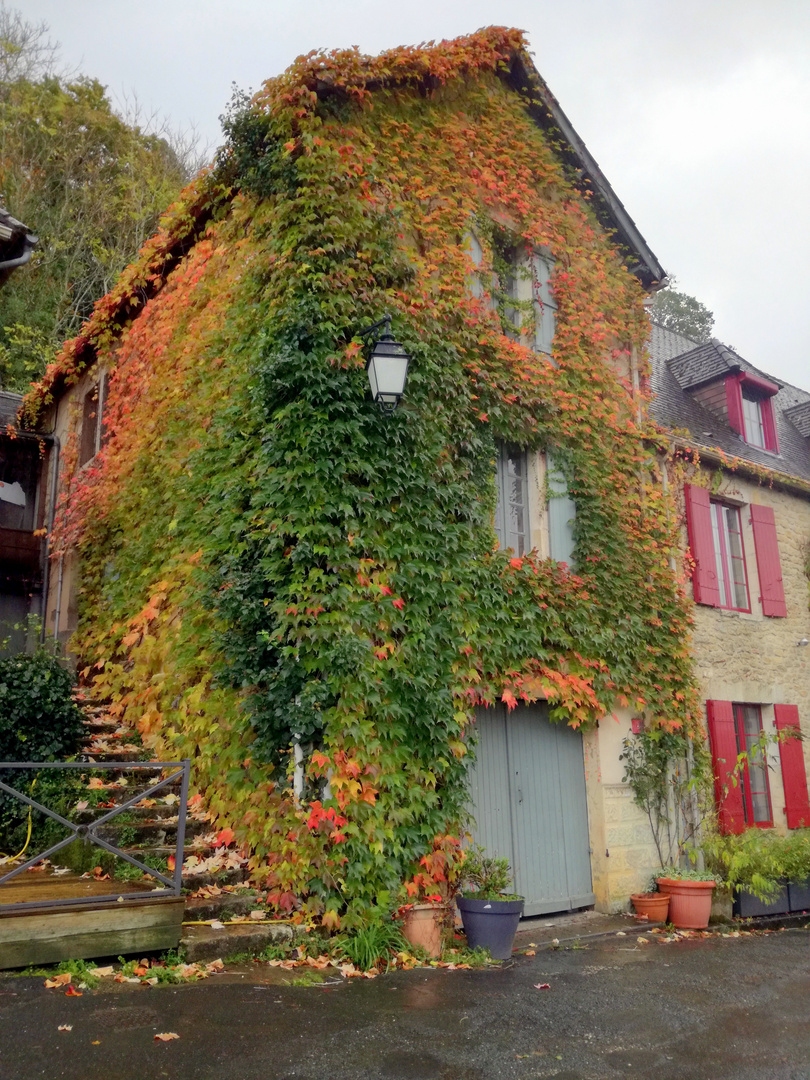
[173, 885]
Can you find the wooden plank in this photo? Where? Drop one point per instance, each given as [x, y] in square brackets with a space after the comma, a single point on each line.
[27, 888]
[49, 935]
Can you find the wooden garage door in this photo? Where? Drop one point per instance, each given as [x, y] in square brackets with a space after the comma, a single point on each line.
[527, 791]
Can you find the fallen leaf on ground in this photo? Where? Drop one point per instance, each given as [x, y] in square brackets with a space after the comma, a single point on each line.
[58, 980]
[73, 992]
[530, 952]
[167, 1036]
[65, 1027]
[102, 971]
[257, 915]
[643, 940]
[215, 965]
[542, 986]
[620, 933]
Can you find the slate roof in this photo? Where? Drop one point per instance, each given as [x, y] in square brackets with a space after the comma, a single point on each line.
[678, 363]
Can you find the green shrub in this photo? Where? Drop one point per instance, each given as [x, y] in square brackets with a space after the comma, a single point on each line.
[758, 861]
[39, 720]
[485, 877]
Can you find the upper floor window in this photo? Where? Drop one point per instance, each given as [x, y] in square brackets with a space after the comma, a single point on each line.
[512, 511]
[729, 557]
[520, 289]
[750, 409]
[717, 544]
[92, 421]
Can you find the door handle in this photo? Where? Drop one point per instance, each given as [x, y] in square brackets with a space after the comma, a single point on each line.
[520, 796]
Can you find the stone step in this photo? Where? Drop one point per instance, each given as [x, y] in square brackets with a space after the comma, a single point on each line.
[140, 814]
[194, 881]
[203, 943]
[224, 906]
[113, 757]
[145, 834]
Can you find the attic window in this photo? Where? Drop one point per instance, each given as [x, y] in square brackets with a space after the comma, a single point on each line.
[750, 410]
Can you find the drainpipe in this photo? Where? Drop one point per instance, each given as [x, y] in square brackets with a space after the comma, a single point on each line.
[690, 758]
[12, 264]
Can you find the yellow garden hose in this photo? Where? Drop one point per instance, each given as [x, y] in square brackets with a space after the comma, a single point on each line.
[28, 838]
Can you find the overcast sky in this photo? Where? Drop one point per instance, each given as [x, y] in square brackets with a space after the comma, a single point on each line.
[698, 112]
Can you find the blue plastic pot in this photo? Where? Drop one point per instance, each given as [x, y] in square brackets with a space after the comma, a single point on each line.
[490, 924]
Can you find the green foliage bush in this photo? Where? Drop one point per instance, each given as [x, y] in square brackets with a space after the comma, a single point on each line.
[485, 877]
[39, 720]
[758, 861]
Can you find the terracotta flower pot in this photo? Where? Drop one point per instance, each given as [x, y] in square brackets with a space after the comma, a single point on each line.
[651, 905]
[690, 902]
[422, 926]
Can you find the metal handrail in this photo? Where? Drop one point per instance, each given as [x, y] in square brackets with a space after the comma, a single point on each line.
[88, 832]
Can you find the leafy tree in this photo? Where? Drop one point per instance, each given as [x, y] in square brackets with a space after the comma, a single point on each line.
[89, 183]
[682, 313]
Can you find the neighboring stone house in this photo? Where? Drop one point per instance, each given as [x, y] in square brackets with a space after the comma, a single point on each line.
[21, 479]
[232, 503]
[746, 519]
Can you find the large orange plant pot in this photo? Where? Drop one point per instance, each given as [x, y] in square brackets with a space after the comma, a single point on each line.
[422, 926]
[690, 902]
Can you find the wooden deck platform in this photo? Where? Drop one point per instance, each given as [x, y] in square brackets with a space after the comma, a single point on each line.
[112, 925]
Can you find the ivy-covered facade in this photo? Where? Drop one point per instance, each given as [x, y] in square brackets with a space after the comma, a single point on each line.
[252, 558]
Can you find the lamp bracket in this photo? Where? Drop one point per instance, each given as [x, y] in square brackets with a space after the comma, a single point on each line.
[384, 321]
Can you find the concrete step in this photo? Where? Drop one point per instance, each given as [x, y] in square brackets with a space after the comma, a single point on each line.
[114, 757]
[203, 943]
[148, 833]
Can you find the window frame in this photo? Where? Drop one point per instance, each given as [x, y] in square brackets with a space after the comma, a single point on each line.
[746, 388]
[745, 777]
[504, 453]
[723, 560]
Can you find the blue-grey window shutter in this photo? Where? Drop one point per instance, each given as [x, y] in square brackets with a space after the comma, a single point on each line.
[545, 309]
[561, 514]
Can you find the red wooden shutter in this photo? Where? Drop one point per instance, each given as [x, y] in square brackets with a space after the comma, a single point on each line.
[735, 405]
[769, 568]
[727, 789]
[794, 777]
[701, 542]
[769, 425]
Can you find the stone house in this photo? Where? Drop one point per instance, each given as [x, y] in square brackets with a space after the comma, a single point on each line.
[746, 522]
[380, 596]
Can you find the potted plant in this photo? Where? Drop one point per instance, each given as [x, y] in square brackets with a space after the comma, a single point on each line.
[423, 923]
[766, 872]
[653, 906]
[690, 896]
[489, 914]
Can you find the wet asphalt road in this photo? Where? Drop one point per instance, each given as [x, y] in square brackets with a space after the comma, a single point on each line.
[707, 1009]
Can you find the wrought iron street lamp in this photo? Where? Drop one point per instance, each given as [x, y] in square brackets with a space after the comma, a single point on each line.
[387, 367]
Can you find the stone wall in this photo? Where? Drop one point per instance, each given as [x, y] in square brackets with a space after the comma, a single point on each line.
[751, 658]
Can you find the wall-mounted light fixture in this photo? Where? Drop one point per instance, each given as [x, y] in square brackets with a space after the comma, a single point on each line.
[387, 366]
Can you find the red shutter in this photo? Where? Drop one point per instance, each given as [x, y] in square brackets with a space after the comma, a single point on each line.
[769, 568]
[727, 789]
[794, 777]
[735, 405]
[769, 425]
[701, 542]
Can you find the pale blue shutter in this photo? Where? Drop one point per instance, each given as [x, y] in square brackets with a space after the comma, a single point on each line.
[545, 309]
[562, 512]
